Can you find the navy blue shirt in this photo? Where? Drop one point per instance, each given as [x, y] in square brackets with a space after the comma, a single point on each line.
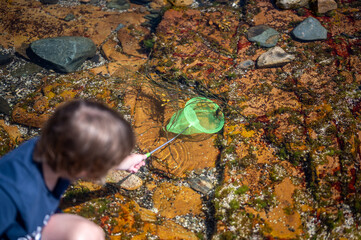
[26, 203]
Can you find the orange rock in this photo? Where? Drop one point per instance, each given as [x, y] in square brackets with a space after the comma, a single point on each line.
[130, 40]
[170, 230]
[172, 201]
[187, 153]
[283, 220]
[20, 115]
[43, 21]
[13, 131]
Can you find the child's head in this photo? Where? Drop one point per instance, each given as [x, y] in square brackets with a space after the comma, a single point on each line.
[84, 136]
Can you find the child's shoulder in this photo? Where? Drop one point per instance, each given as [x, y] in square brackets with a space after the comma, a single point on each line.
[20, 156]
[24, 148]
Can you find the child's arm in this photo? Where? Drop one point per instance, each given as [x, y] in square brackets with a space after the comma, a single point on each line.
[132, 163]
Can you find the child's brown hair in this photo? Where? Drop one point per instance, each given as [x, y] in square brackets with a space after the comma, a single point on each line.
[84, 135]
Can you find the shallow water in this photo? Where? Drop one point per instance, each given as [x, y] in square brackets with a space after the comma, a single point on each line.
[287, 163]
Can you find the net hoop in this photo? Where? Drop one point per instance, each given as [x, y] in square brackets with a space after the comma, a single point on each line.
[200, 115]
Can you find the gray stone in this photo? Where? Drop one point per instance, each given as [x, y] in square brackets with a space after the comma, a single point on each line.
[118, 4]
[201, 184]
[310, 30]
[291, 4]
[248, 64]
[65, 54]
[69, 17]
[264, 35]
[324, 6]
[275, 57]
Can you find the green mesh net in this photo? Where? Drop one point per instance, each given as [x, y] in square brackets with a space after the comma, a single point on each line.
[200, 115]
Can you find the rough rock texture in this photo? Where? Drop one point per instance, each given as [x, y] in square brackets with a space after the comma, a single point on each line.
[181, 3]
[66, 54]
[324, 6]
[119, 4]
[36, 109]
[36, 21]
[274, 57]
[263, 35]
[310, 29]
[172, 201]
[291, 4]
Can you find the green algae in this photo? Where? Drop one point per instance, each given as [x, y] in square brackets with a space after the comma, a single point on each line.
[242, 190]
[278, 173]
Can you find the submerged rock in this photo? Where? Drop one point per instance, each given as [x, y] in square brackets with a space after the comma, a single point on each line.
[181, 3]
[124, 179]
[264, 35]
[49, 1]
[119, 4]
[26, 70]
[324, 6]
[66, 54]
[171, 200]
[5, 58]
[291, 4]
[201, 184]
[248, 64]
[4, 106]
[69, 17]
[310, 30]
[274, 57]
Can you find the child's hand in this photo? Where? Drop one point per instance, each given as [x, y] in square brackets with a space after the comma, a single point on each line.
[132, 163]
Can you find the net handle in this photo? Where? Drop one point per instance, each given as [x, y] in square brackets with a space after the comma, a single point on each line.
[166, 143]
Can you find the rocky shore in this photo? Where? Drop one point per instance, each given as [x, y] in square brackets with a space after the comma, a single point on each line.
[285, 73]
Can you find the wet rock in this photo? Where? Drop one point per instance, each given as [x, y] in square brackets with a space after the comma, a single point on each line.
[158, 4]
[140, 2]
[171, 200]
[26, 70]
[274, 57]
[21, 116]
[124, 179]
[310, 30]
[177, 232]
[153, 18]
[324, 6]
[264, 35]
[201, 184]
[69, 17]
[248, 64]
[5, 142]
[4, 106]
[291, 4]
[13, 132]
[5, 58]
[65, 54]
[36, 108]
[49, 1]
[181, 3]
[119, 4]
[130, 40]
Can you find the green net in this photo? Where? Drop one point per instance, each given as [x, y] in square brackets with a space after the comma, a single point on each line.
[200, 115]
